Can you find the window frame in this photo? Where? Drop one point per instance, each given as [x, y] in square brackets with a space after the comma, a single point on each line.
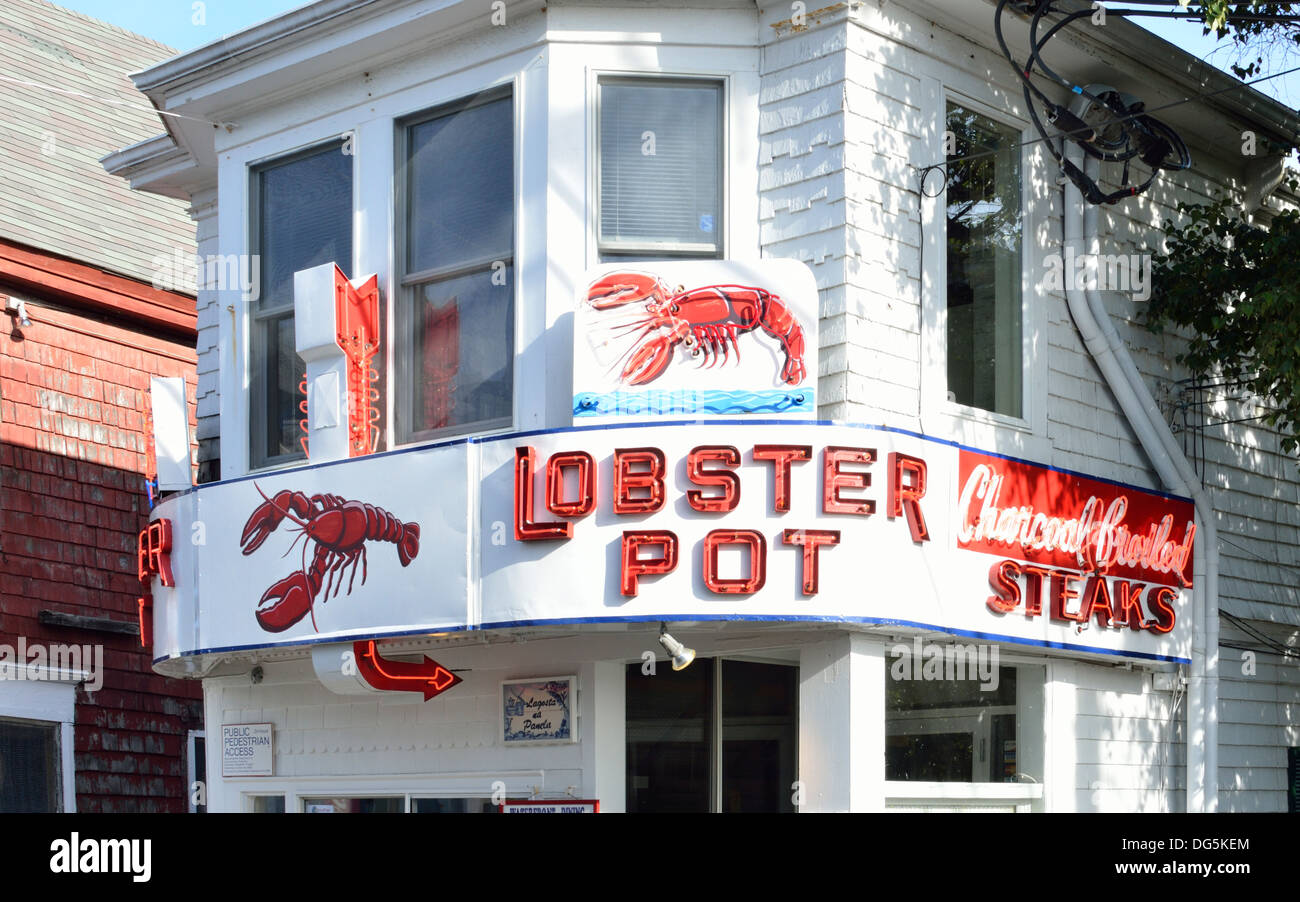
[405, 283]
[1035, 739]
[1027, 433]
[255, 318]
[968, 409]
[656, 249]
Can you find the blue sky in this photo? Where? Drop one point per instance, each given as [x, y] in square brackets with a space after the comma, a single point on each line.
[185, 24]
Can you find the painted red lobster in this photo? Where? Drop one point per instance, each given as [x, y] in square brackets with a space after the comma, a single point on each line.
[340, 530]
[704, 319]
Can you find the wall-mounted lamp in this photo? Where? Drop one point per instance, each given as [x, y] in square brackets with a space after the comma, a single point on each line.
[681, 655]
[15, 307]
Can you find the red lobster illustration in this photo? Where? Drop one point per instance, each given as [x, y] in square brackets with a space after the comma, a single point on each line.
[704, 319]
[340, 530]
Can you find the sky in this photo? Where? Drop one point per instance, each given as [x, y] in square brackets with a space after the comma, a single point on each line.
[183, 24]
[186, 24]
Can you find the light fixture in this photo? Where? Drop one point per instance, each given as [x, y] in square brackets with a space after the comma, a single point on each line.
[15, 307]
[681, 655]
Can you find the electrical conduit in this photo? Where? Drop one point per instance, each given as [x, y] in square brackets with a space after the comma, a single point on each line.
[1080, 225]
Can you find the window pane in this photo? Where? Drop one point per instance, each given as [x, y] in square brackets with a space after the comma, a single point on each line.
[669, 738]
[461, 187]
[759, 736]
[660, 153]
[268, 804]
[29, 776]
[984, 264]
[464, 350]
[349, 805]
[457, 329]
[453, 806]
[304, 219]
[949, 730]
[283, 374]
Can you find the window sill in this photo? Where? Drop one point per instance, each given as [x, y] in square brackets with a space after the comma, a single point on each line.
[963, 413]
[897, 791]
[499, 427]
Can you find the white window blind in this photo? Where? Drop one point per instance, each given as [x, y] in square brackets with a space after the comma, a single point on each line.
[660, 165]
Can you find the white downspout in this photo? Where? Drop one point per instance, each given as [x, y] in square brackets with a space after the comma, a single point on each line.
[1122, 377]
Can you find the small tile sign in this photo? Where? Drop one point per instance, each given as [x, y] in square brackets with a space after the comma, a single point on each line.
[538, 710]
[246, 750]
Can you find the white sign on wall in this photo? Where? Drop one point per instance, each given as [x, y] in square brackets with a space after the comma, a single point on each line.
[696, 338]
[246, 750]
[716, 519]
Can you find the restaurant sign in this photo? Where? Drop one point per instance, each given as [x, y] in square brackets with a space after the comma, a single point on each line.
[709, 520]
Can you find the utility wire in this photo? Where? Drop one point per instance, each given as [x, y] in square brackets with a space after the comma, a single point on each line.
[1070, 134]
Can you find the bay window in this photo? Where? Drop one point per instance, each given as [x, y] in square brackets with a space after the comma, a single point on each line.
[660, 172]
[302, 218]
[456, 313]
[985, 240]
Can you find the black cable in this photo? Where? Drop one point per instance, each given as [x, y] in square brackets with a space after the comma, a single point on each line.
[1166, 106]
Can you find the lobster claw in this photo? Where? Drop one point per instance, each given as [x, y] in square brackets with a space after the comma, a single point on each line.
[269, 515]
[794, 371]
[285, 603]
[648, 361]
[617, 289]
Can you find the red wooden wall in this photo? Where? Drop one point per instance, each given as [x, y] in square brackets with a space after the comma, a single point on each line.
[73, 388]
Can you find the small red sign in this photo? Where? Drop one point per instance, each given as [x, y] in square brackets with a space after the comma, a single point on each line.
[1019, 510]
[153, 554]
[428, 676]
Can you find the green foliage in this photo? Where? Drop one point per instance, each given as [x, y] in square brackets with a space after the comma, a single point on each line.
[1236, 286]
[1250, 28]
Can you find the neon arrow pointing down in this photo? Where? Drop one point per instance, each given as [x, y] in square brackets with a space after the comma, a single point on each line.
[428, 677]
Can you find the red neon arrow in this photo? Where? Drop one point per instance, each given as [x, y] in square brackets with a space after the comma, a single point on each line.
[428, 677]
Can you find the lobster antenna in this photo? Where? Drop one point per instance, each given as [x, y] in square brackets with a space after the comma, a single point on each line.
[311, 598]
[288, 514]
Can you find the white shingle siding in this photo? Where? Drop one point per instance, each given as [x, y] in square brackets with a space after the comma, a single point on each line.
[204, 212]
[1256, 725]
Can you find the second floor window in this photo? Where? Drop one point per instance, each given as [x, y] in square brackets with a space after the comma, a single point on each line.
[985, 349]
[302, 218]
[660, 168]
[456, 316]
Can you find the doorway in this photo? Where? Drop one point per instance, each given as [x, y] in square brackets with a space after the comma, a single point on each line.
[720, 735]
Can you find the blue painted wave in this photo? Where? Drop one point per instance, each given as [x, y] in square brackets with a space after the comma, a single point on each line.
[658, 402]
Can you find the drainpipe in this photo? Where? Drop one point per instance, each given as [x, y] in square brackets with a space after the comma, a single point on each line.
[1139, 408]
[1262, 180]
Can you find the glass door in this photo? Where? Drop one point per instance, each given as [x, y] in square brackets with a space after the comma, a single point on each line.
[717, 736]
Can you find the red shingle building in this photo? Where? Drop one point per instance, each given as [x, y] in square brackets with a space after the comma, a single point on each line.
[85, 724]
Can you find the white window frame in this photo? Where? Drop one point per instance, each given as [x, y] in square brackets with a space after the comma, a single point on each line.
[191, 771]
[1034, 748]
[255, 406]
[371, 126]
[50, 703]
[397, 295]
[724, 159]
[1027, 433]
[739, 235]
[518, 784]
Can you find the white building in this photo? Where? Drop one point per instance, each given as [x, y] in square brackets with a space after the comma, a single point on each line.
[480, 158]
